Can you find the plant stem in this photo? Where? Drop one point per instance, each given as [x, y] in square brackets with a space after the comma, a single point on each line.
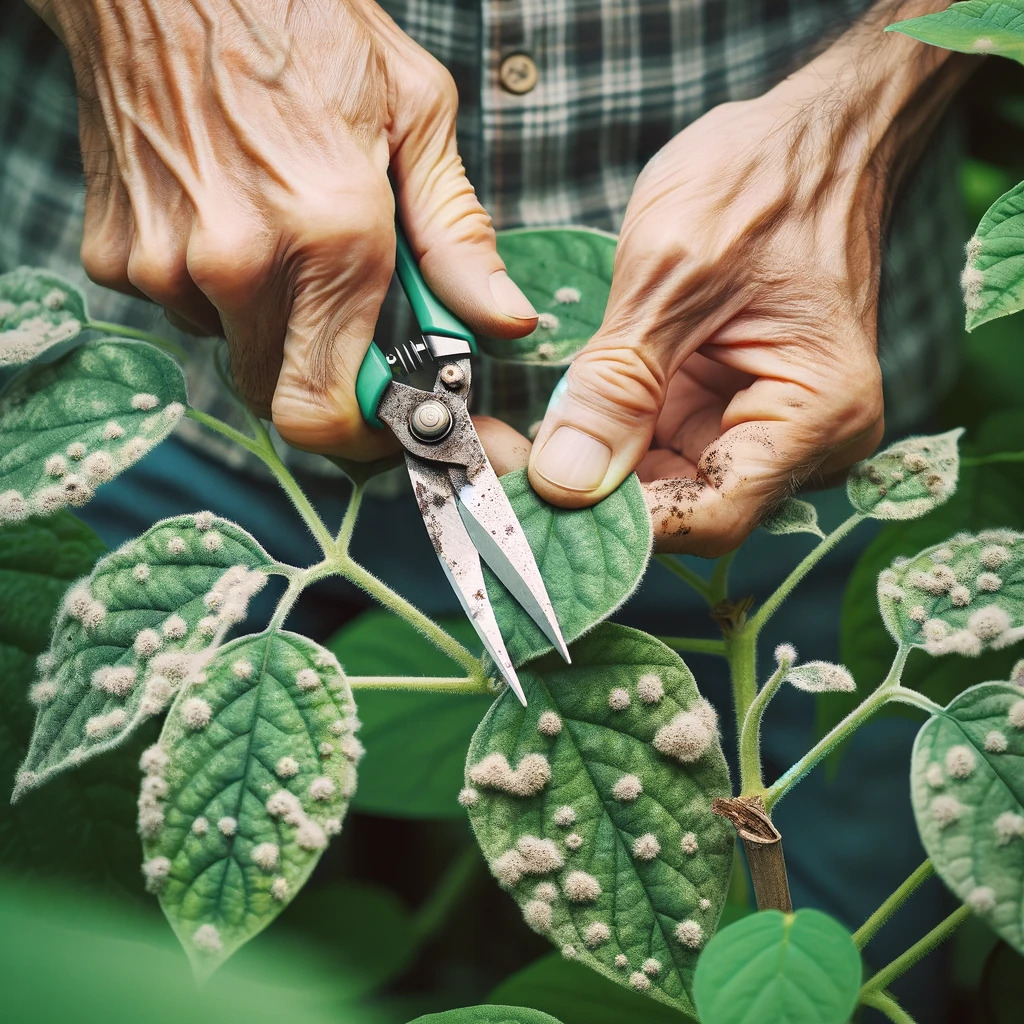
[384, 595]
[822, 548]
[920, 949]
[431, 914]
[719, 585]
[741, 651]
[119, 330]
[866, 932]
[348, 522]
[688, 575]
[751, 780]
[225, 430]
[694, 644]
[888, 689]
[421, 684]
[884, 1003]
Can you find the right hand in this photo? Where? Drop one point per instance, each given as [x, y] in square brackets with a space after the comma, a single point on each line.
[236, 159]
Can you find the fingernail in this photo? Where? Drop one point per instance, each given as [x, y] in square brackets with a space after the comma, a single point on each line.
[573, 460]
[509, 298]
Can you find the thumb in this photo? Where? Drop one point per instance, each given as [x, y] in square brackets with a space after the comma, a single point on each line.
[449, 232]
[602, 425]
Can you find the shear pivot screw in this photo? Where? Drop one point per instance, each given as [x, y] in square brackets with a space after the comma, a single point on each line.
[430, 421]
[452, 376]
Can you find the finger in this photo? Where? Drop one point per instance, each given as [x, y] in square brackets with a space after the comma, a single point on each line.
[450, 233]
[757, 462]
[506, 448]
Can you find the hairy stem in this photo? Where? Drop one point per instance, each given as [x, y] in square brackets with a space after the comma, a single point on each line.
[348, 523]
[120, 331]
[751, 780]
[888, 689]
[719, 585]
[741, 652]
[694, 644]
[920, 949]
[885, 1003]
[695, 580]
[810, 560]
[866, 932]
[421, 684]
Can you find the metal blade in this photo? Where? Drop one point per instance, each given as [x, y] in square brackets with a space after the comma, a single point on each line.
[498, 537]
[459, 558]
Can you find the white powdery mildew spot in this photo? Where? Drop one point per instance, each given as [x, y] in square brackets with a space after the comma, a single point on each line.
[1008, 826]
[55, 466]
[213, 542]
[206, 626]
[688, 844]
[537, 915]
[704, 903]
[566, 295]
[266, 856]
[581, 887]
[646, 847]
[227, 826]
[13, 507]
[509, 868]
[651, 967]
[540, 856]
[982, 45]
[989, 622]
[621, 961]
[196, 713]
[1015, 715]
[113, 430]
[99, 467]
[960, 761]
[242, 669]
[994, 556]
[154, 760]
[549, 723]
[548, 322]
[785, 653]
[529, 777]
[628, 788]
[76, 450]
[310, 836]
[981, 899]
[147, 643]
[154, 786]
[468, 797]
[946, 810]
[200, 826]
[596, 934]
[286, 767]
[689, 735]
[546, 891]
[989, 582]
[690, 934]
[934, 777]
[155, 871]
[207, 938]
[203, 521]
[176, 545]
[564, 816]
[332, 826]
[307, 679]
[144, 402]
[618, 699]
[279, 890]
[995, 742]
[338, 727]
[959, 596]
[42, 693]
[573, 841]
[918, 613]
[117, 680]
[141, 572]
[569, 951]
[175, 627]
[649, 688]
[321, 788]
[103, 725]
[351, 749]
[639, 981]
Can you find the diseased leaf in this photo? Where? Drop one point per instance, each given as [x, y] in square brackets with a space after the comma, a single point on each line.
[488, 1015]
[591, 560]
[575, 995]
[993, 280]
[566, 273]
[69, 426]
[593, 807]
[821, 677]
[962, 597]
[967, 786]
[83, 829]
[429, 730]
[793, 516]
[977, 26]
[38, 311]
[908, 479]
[253, 772]
[127, 636]
[777, 968]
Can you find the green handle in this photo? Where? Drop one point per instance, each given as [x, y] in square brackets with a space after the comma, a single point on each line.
[432, 317]
[374, 376]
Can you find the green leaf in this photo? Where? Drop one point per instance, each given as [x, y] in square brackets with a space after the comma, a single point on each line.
[960, 597]
[128, 635]
[430, 730]
[591, 560]
[967, 787]
[593, 807]
[252, 773]
[566, 273]
[38, 311]
[777, 968]
[908, 479]
[83, 829]
[488, 1015]
[977, 26]
[69, 426]
[575, 995]
[793, 516]
[993, 280]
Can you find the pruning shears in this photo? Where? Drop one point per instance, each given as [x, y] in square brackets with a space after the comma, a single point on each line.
[466, 513]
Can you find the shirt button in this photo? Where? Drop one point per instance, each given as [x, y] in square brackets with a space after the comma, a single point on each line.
[518, 73]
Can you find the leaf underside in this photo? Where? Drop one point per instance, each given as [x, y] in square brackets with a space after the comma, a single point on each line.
[793, 516]
[38, 311]
[681, 871]
[994, 279]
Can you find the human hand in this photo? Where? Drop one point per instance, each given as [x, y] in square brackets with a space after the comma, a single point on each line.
[236, 157]
[737, 356]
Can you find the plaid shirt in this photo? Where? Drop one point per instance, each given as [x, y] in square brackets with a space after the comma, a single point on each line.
[616, 80]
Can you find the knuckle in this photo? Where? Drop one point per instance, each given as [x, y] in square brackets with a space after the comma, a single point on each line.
[157, 272]
[354, 228]
[441, 90]
[104, 263]
[223, 262]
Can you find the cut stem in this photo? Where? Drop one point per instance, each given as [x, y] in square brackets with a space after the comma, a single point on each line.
[421, 684]
[694, 644]
[866, 932]
[762, 844]
[918, 951]
[885, 1003]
